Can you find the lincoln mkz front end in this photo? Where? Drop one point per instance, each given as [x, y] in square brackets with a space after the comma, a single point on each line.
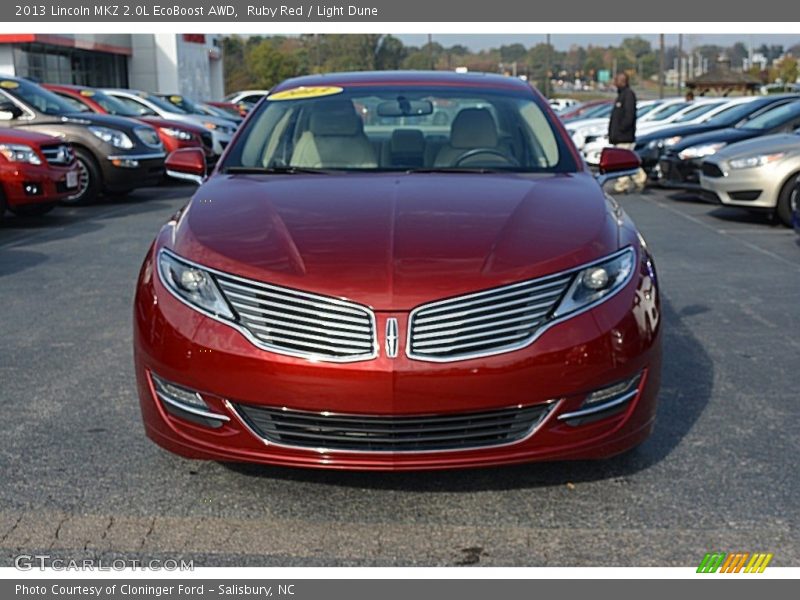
[365, 282]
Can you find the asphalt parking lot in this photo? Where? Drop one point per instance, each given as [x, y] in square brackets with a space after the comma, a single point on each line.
[80, 479]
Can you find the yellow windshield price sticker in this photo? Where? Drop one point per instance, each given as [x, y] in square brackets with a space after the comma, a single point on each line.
[8, 84]
[87, 93]
[303, 92]
[175, 99]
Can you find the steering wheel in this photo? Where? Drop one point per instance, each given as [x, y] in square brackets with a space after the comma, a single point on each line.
[476, 151]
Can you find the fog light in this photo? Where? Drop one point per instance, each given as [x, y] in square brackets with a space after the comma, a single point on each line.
[185, 403]
[604, 402]
[32, 189]
[125, 163]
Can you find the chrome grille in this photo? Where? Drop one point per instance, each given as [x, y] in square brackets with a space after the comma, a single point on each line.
[299, 323]
[370, 433]
[484, 323]
[58, 155]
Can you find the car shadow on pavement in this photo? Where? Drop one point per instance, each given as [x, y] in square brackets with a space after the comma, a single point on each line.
[14, 261]
[686, 388]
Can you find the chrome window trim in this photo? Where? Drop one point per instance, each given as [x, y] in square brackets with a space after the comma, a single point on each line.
[313, 356]
[536, 334]
[549, 410]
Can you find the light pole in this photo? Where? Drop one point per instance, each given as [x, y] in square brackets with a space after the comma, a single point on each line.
[661, 66]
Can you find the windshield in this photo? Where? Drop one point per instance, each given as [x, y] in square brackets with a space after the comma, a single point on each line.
[183, 104]
[697, 111]
[162, 104]
[599, 111]
[113, 106]
[734, 114]
[391, 128]
[643, 110]
[37, 97]
[773, 118]
[667, 111]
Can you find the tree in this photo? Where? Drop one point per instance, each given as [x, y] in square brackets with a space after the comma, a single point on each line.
[391, 53]
[512, 53]
[269, 66]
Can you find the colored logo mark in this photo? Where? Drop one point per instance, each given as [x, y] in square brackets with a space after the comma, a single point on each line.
[735, 562]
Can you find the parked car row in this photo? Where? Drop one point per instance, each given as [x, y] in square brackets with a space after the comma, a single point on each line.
[70, 144]
[742, 152]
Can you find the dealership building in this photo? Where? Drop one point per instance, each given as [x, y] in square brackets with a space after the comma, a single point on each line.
[188, 64]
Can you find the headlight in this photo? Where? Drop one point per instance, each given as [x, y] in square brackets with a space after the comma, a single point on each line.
[178, 134]
[192, 285]
[20, 153]
[700, 151]
[755, 161]
[115, 137]
[598, 282]
[673, 140]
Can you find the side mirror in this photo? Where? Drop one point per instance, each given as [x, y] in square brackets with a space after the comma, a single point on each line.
[616, 163]
[188, 164]
[9, 111]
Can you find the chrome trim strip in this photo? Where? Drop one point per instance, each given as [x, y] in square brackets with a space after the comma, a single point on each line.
[549, 411]
[136, 156]
[539, 331]
[191, 409]
[259, 343]
[603, 406]
[185, 176]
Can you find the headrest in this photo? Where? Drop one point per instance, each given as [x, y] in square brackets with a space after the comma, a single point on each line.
[407, 141]
[337, 117]
[473, 128]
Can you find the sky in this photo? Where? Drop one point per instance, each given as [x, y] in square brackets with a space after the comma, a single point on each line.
[564, 41]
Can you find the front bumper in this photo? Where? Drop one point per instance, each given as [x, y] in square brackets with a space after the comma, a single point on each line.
[26, 184]
[612, 342]
[748, 188]
[131, 171]
[676, 173]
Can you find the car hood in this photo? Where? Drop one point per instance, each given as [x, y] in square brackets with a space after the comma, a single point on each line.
[394, 241]
[89, 118]
[767, 144]
[729, 136]
[673, 130]
[20, 136]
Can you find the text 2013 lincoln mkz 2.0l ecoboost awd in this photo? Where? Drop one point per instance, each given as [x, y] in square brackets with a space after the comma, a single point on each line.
[399, 271]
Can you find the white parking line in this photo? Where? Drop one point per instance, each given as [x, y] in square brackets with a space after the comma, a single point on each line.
[725, 232]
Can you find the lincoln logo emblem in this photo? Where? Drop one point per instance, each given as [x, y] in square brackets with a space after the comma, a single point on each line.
[391, 337]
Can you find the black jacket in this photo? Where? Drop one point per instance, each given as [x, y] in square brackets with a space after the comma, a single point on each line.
[622, 126]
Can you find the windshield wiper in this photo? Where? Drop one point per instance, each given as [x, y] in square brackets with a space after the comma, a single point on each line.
[278, 170]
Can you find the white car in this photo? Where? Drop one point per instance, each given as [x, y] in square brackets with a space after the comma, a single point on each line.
[150, 105]
[700, 112]
[583, 131]
[559, 104]
[249, 97]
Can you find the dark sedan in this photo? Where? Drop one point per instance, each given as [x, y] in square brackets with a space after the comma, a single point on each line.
[680, 165]
[650, 147]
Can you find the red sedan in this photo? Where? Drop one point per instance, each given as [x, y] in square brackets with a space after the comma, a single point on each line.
[175, 135]
[36, 171]
[399, 295]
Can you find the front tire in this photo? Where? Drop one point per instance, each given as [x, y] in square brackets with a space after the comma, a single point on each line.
[788, 194]
[89, 180]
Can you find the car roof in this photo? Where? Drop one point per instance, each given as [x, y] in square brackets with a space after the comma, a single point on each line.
[416, 78]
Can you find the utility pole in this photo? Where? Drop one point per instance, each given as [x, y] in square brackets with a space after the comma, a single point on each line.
[680, 63]
[661, 66]
[547, 68]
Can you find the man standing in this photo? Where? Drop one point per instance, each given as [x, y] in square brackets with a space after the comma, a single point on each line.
[622, 131]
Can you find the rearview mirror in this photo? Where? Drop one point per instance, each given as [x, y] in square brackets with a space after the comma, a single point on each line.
[405, 108]
[616, 163]
[187, 164]
[9, 111]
